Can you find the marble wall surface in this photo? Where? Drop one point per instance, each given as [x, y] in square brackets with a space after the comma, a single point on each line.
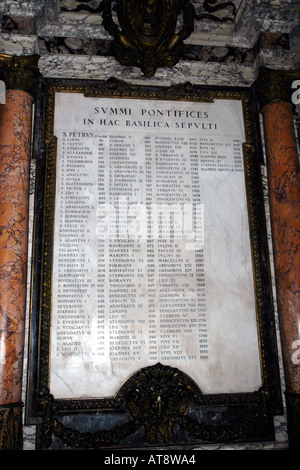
[72, 43]
[71, 40]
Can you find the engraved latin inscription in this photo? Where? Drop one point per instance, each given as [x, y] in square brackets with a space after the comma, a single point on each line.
[151, 244]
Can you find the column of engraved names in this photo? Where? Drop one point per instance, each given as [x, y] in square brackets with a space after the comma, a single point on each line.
[100, 348]
[218, 158]
[195, 159]
[73, 324]
[181, 291]
[125, 268]
[150, 182]
[223, 155]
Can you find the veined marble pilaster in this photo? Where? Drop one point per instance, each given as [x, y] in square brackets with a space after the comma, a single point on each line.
[15, 149]
[284, 196]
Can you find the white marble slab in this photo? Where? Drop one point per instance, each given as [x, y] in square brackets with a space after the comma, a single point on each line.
[89, 361]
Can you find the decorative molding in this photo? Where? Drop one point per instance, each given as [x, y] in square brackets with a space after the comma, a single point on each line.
[158, 399]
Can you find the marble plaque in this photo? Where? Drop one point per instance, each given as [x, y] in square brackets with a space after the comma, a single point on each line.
[152, 256]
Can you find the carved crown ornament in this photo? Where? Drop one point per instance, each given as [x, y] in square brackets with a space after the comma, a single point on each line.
[150, 33]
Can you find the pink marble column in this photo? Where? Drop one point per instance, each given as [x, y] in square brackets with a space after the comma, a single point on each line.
[15, 153]
[284, 196]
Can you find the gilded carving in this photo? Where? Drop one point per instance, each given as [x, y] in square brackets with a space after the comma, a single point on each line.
[148, 35]
[156, 396]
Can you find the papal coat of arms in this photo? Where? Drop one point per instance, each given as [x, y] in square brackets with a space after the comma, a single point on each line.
[150, 33]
